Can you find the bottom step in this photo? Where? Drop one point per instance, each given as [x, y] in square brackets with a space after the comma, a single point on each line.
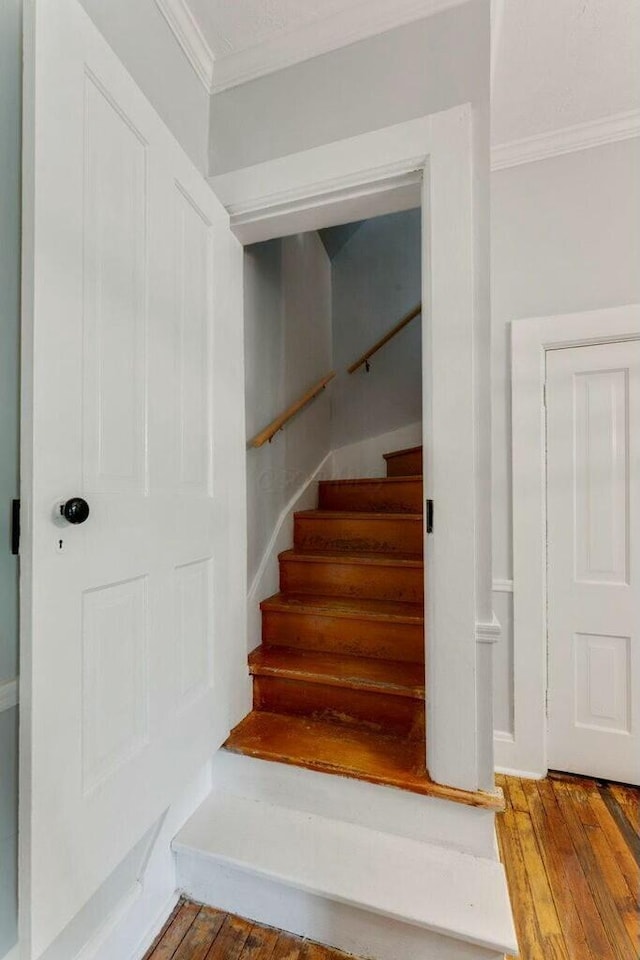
[352, 887]
[346, 751]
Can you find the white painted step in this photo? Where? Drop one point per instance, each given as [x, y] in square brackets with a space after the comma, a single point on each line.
[433, 889]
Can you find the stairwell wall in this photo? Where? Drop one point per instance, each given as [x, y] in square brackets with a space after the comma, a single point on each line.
[376, 279]
[288, 347]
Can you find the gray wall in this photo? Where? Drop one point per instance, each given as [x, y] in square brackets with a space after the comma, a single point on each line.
[142, 39]
[10, 111]
[405, 73]
[565, 238]
[376, 278]
[287, 349]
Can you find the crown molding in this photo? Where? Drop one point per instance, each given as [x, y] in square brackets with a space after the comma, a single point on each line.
[190, 37]
[313, 38]
[299, 43]
[581, 136]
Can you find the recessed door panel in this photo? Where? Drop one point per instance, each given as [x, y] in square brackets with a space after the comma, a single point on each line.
[115, 284]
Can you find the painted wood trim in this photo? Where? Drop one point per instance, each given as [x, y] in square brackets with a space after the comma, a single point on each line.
[530, 339]
[488, 632]
[293, 45]
[502, 586]
[187, 32]
[555, 143]
[279, 197]
[9, 696]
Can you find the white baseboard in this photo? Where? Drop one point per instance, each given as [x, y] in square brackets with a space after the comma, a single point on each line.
[521, 774]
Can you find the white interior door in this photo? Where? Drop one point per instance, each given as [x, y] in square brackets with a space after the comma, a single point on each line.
[131, 339]
[593, 529]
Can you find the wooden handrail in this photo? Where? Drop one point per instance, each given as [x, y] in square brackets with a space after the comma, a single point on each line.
[408, 317]
[291, 411]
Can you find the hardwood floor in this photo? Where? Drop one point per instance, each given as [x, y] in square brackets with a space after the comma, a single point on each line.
[571, 850]
[193, 932]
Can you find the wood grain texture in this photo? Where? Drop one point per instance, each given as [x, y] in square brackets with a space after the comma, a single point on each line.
[404, 463]
[194, 932]
[357, 627]
[387, 495]
[572, 868]
[357, 531]
[342, 750]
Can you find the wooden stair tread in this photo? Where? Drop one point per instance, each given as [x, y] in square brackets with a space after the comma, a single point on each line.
[357, 515]
[400, 678]
[354, 608]
[402, 453]
[346, 751]
[335, 556]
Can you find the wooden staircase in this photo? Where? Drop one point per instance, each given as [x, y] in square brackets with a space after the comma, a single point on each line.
[339, 679]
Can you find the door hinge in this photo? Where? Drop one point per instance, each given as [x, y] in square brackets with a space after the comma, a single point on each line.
[15, 527]
[429, 516]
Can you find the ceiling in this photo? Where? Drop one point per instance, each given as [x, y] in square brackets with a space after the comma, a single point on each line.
[555, 63]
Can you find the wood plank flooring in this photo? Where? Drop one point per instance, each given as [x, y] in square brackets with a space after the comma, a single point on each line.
[193, 932]
[571, 850]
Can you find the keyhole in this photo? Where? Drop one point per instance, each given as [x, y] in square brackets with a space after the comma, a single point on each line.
[59, 544]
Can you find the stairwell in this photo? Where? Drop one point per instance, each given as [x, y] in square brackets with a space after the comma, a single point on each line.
[339, 678]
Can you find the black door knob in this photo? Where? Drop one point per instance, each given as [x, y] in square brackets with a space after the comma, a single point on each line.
[75, 510]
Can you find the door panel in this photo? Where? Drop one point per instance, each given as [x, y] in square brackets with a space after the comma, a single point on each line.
[129, 619]
[593, 512]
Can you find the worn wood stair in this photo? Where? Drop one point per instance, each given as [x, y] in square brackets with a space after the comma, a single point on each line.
[339, 679]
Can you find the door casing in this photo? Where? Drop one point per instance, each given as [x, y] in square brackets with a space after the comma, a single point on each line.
[429, 162]
[526, 753]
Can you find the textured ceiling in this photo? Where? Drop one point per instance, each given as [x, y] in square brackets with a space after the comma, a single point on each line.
[556, 63]
[563, 62]
[233, 25]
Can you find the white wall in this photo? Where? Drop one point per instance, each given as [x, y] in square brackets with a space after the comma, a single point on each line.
[376, 278]
[399, 75]
[10, 119]
[565, 237]
[142, 39]
[287, 350]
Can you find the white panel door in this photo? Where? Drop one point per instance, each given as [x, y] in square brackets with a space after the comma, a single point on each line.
[593, 530]
[129, 333]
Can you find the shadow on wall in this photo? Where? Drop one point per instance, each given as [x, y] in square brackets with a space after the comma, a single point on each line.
[376, 279]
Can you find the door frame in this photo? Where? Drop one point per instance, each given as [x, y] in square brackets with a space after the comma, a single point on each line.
[433, 162]
[531, 338]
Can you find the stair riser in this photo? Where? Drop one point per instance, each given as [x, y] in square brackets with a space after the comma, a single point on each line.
[362, 580]
[372, 497]
[378, 712]
[352, 534]
[359, 638]
[405, 465]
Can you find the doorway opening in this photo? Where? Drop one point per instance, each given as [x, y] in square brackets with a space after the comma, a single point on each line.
[335, 500]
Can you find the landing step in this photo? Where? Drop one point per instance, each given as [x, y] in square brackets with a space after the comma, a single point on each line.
[346, 751]
[429, 887]
[334, 669]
